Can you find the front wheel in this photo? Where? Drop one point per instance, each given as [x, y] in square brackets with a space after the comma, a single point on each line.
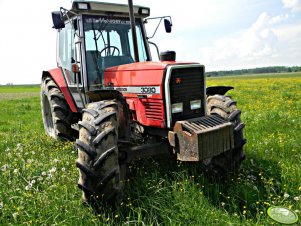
[99, 171]
[230, 160]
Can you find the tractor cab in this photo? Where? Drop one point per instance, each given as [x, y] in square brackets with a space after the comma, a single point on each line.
[93, 36]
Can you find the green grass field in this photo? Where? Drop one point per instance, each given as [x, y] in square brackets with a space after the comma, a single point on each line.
[39, 177]
[19, 89]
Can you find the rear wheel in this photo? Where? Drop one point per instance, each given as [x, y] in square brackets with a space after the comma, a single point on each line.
[57, 116]
[228, 161]
[99, 171]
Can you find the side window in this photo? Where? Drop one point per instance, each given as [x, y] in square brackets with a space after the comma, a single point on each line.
[67, 53]
[141, 47]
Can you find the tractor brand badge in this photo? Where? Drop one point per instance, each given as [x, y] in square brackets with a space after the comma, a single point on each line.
[137, 89]
[178, 80]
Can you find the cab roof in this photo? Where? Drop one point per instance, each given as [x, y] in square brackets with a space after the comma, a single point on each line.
[95, 7]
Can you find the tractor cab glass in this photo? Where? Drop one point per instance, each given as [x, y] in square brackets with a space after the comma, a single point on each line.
[67, 52]
[108, 42]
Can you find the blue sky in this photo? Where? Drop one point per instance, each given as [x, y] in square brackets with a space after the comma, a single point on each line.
[222, 35]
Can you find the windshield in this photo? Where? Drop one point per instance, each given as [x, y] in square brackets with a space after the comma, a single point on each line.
[109, 43]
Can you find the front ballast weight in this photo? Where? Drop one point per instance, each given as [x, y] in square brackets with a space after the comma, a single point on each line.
[201, 138]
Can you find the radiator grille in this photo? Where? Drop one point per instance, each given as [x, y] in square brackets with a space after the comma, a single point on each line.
[153, 110]
[187, 84]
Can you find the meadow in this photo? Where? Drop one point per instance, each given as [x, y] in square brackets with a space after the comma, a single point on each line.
[39, 177]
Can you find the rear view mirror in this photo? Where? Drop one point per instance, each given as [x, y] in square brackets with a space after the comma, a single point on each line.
[167, 25]
[57, 19]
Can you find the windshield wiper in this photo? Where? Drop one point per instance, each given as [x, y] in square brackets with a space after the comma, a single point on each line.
[96, 55]
[95, 39]
[102, 26]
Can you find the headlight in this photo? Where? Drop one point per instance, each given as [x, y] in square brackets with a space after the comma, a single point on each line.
[144, 11]
[177, 108]
[195, 104]
[82, 6]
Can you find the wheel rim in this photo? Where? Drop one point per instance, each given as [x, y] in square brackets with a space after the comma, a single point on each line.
[47, 115]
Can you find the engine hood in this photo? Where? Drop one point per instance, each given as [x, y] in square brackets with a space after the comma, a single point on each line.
[141, 66]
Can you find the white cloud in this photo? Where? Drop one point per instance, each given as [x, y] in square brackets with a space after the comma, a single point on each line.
[293, 5]
[268, 41]
[289, 33]
[278, 19]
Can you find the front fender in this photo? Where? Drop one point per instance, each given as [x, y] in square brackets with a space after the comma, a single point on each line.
[124, 115]
[221, 90]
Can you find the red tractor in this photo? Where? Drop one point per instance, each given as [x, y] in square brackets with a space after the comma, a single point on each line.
[119, 105]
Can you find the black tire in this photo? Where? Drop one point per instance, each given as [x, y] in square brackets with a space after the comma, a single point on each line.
[56, 114]
[229, 161]
[99, 171]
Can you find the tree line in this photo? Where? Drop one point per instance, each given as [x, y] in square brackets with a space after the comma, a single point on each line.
[259, 70]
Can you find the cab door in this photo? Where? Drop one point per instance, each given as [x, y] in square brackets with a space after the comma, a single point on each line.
[68, 54]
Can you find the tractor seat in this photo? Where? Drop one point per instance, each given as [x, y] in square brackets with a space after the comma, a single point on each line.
[110, 61]
[93, 58]
[94, 62]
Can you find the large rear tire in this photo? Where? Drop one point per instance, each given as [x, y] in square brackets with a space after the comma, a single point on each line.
[99, 172]
[57, 116]
[229, 161]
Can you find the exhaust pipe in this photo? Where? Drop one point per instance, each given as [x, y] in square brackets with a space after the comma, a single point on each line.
[133, 26]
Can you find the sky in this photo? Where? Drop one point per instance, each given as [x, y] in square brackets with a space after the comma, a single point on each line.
[222, 35]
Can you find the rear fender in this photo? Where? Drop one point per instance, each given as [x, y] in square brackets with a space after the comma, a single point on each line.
[221, 90]
[57, 76]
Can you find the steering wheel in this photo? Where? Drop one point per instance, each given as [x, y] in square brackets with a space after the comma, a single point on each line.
[111, 51]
